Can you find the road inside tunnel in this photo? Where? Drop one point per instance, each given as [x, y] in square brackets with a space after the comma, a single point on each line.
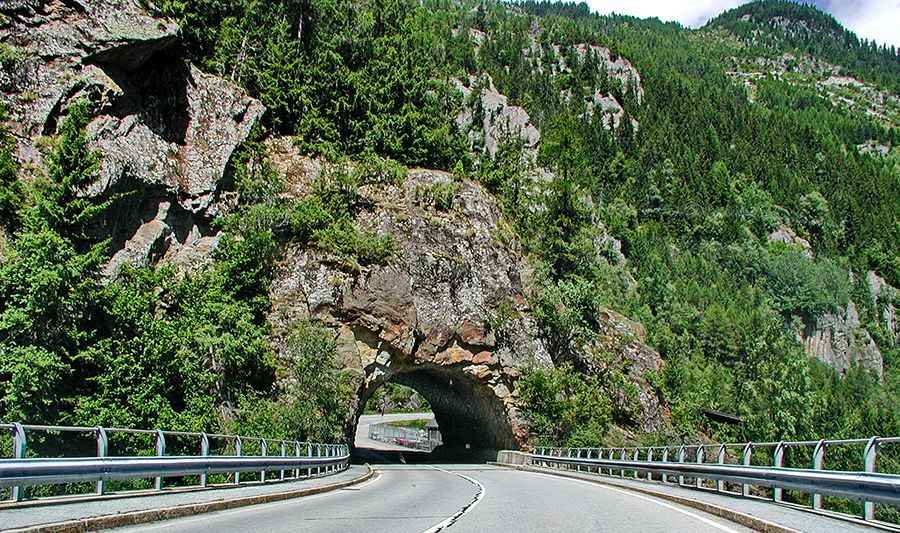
[472, 421]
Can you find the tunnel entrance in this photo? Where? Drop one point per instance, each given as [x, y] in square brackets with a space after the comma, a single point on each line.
[471, 419]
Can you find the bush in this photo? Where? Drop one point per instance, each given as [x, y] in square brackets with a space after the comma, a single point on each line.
[317, 405]
[805, 286]
[439, 195]
[564, 407]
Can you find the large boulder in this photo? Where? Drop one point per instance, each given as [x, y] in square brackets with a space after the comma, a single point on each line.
[165, 130]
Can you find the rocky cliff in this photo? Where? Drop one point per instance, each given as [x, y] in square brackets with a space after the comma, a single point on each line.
[166, 130]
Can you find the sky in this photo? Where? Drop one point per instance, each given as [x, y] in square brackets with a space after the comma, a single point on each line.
[872, 19]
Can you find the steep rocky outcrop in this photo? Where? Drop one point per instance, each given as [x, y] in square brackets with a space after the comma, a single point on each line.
[886, 298]
[448, 315]
[840, 341]
[490, 120]
[165, 129]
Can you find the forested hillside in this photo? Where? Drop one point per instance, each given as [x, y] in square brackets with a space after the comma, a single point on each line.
[711, 188]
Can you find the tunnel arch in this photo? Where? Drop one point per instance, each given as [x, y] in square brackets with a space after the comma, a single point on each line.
[470, 415]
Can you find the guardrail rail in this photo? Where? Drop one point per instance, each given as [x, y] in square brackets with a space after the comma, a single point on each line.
[752, 470]
[195, 455]
[420, 439]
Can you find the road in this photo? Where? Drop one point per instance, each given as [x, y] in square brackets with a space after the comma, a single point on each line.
[459, 498]
[362, 429]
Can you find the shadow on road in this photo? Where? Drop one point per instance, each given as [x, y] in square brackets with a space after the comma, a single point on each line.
[439, 456]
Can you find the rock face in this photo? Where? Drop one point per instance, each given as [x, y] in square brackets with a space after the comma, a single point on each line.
[839, 340]
[448, 315]
[886, 299]
[164, 128]
[621, 342]
[786, 235]
[489, 118]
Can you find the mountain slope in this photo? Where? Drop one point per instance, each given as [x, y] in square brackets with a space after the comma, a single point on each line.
[674, 240]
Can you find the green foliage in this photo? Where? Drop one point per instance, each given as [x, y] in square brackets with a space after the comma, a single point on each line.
[317, 404]
[10, 57]
[62, 205]
[565, 407]
[801, 285]
[344, 77]
[11, 195]
[439, 195]
[364, 247]
[148, 349]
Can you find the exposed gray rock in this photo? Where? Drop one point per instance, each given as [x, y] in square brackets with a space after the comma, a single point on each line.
[428, 318]
[621, 343]
[786, 235]
[886, 299]
[449, 314]
[499, 120]
[840, 341]
[164, 129]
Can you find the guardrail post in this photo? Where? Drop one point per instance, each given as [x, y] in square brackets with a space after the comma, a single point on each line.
[665, 459]
[102, 451]
[869, 465]
[283, 454]
[680, 458]
[637, 455]
[748, 455]
[160, 452]
[778, 462]
[622, 457]
[720, 458]
[204, 451]
[20, 450]
[296, 454]
[817, 463]
[237, 451]
[700, 457]
[263, 449]
[649, 460]
[318, 454]
[309, 454]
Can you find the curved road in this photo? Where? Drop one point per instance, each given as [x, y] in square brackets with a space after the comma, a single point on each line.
[460, 499]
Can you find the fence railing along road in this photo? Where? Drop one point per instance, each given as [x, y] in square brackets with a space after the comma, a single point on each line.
[420, 439]
[715, 467]
[194, 457]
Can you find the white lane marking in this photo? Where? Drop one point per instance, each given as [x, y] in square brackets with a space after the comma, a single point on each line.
[450, 520]
[703, 519]
[250, 508]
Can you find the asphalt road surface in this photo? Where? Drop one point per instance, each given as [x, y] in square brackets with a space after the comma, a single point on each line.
[459, 499]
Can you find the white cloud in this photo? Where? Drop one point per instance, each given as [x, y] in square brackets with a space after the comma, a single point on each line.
[872, 19]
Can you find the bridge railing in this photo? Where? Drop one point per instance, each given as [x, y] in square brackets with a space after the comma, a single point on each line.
[47, 461]
[824, 475]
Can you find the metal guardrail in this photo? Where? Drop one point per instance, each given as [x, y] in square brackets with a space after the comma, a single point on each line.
[420, 439]
[291, 459]
[722, 467]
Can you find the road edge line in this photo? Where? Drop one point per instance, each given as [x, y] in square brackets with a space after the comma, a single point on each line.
[133, 518]
[449, 521]
[743, 519]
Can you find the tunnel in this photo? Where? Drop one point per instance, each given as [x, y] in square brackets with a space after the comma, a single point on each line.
[473, 421]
